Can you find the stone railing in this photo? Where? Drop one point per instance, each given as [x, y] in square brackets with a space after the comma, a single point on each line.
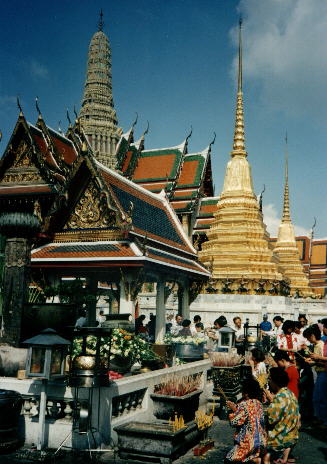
[124, 400]
[57, 408]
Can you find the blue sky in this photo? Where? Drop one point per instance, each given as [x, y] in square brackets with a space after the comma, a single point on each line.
[174, 64]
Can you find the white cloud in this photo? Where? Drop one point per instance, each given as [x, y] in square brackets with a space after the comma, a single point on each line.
[285, 52]
[272, 221]
[38, 70]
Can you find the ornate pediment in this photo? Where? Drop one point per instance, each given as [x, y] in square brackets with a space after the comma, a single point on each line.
[91, 211]
[23, 158]
[23, 169]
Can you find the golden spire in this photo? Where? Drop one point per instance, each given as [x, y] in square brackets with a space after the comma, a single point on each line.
[286, 207]
[239, 138]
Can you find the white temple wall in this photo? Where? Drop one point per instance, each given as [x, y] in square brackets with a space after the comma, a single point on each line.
[209, 307]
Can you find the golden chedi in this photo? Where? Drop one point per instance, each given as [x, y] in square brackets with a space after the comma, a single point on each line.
[286, 249]
[238, 251]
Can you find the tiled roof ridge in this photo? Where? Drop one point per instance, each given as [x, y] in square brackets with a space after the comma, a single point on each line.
[127, 181]
[180, 147]
[205, 153]
[61, 136]
[105, 242]
[177, 222]
[54, 162]
[34, 127]
[209, 198]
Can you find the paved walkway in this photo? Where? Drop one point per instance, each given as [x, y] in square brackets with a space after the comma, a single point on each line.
[311, 449]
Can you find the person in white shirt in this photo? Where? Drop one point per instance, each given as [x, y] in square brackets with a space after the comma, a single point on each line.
[303, 321]
[81, 321]
[239, 331]
[196, 320]
[101, 318]
[177, 325]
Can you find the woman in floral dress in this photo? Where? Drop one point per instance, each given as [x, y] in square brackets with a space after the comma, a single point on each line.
[248, 419]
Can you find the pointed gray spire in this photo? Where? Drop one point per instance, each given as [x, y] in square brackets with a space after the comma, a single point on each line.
[97, 115]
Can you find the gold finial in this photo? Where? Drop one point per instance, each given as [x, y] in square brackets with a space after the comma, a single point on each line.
[101, 22]
[239, 137]
[38, 108]
[286, 207]
[240, 75]
[84, 147]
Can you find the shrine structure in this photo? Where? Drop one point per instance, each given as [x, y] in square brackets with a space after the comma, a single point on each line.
[63, 213]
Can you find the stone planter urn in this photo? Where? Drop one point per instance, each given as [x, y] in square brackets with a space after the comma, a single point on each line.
[164, 351]
[121, 364]
[165, 406]
[227, 378]
[189, 351]
[152, 364]
[155, 441]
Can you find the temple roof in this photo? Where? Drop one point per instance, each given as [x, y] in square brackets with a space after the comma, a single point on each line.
[205, 214]
[110, 254]
[185, 177]
[151, 214]
[90, 202]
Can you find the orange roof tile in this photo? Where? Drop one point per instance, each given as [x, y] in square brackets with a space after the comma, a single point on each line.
[154, 167]
[188, 173]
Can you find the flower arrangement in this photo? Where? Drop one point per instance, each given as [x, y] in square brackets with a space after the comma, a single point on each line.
[123, 344]
[175, 385]
[184, 340]
[225, 359]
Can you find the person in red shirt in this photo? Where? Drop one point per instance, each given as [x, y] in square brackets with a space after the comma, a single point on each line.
[283, 360]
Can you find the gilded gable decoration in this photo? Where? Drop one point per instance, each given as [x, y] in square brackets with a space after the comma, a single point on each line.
[91, 211]
[22, 156]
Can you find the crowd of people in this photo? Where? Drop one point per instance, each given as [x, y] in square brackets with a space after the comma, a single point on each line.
[287, 388]
[270, 414]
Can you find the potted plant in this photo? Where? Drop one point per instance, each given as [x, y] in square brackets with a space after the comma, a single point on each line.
[226, 372]
[187, 348]
[126, 349]
[177, 395]
[165, 351]
[152, 361]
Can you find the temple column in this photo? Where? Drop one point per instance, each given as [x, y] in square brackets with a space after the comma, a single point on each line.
[15, 286]
[160, 311]
[98, 143]
[184, 300]
[126, 306]
[92, 288]
[185, 223]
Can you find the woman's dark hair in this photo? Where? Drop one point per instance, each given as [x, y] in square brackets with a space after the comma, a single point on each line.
[302, 316]
[288, 325]
[222, 321]
[312, 330]
[196, 318]
[278, 318]
[281, 356]
[258, 355]
[279, 376]
[199, 325]
[324, 322]
[186, 323]
[252, 388]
